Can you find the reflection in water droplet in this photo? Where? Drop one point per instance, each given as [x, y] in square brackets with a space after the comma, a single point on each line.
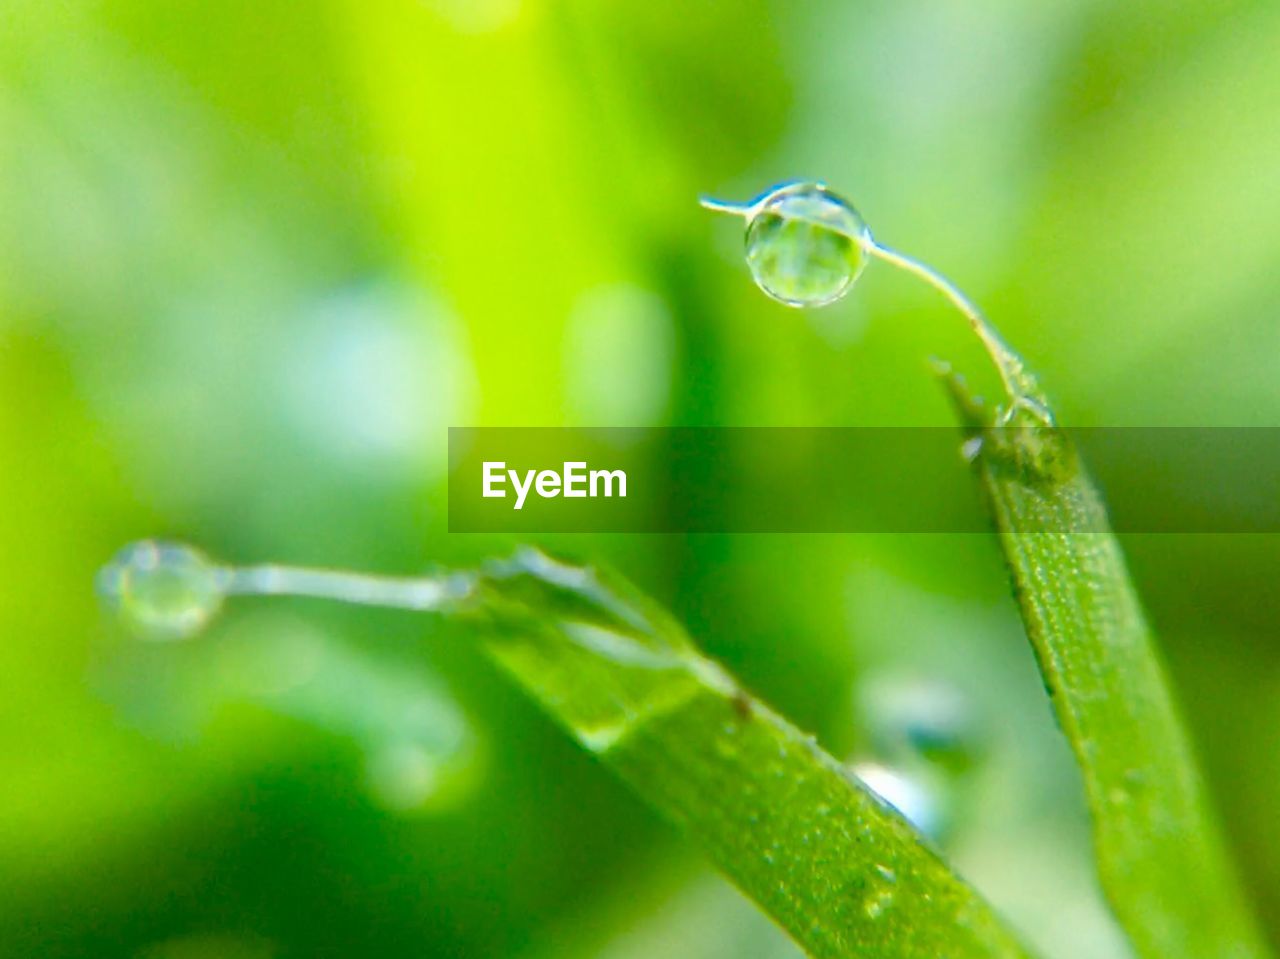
[805, 245]
[163, 590]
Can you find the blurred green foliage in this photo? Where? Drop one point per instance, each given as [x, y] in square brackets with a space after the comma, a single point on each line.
[256, 257]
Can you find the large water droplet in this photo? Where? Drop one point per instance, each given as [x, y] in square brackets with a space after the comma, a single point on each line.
[805, 245]
[163, 590]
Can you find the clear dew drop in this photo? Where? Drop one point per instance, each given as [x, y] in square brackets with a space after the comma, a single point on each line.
[805, 246]
[163, 591]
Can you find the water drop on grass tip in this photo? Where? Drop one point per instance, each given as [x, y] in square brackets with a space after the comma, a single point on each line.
[163, 591]
[805, 246]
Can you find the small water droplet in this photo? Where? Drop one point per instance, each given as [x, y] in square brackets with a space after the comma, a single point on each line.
[163, 591]
[805, 245]
[918, 802]
[877, 902]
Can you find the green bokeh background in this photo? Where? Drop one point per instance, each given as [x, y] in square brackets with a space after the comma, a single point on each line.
[256, 257]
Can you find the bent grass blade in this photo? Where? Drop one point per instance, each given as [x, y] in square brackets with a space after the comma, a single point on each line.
[837, 868]
[841, 871]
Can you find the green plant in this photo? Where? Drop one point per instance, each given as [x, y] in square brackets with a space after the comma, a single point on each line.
[837, 867]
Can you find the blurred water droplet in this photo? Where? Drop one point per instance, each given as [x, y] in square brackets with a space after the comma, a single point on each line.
[404, 776]
[916, 798]
[914, 719]
[805, 245]
[163, 591]
[371, 374]
[619, 344]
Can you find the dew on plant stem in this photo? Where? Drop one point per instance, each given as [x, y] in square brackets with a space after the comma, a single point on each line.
[166, 590]
[163, 591]
[917, 798]
[805, 245]
[421, 753]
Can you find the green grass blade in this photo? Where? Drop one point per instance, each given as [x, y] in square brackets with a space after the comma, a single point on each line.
[843, 873]
[1161, 860]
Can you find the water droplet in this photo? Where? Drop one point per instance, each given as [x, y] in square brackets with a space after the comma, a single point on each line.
[164, 591]
[917, 719]
[404, 776]
[971, 449]
[805, 245]
[914, 797]
[877, 902]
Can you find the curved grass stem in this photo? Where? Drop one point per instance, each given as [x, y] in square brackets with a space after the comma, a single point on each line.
[399, 592]
[1018, 382]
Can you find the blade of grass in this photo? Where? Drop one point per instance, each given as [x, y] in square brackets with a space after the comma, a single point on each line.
[838, 869]
[835, 866]
[1161, 860]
